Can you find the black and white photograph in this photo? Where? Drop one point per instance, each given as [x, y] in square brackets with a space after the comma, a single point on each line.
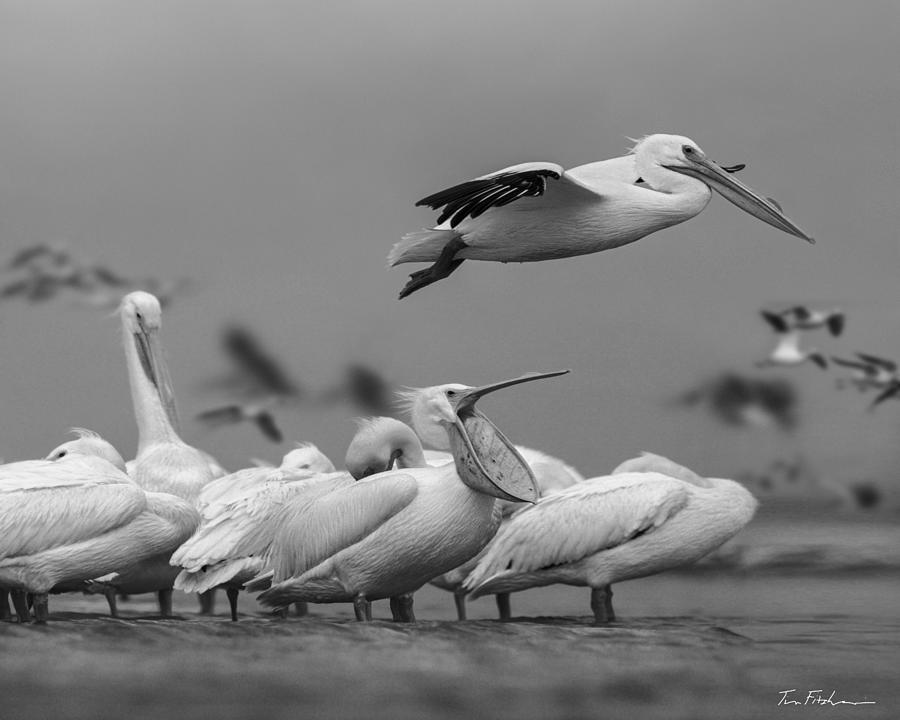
[495, 359]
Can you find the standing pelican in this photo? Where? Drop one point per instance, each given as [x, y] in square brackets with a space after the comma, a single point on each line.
[540, 211]
[650, 515]
[389, 534]
[550, 474]
[77, 515]
[238, 512]
[164, 462]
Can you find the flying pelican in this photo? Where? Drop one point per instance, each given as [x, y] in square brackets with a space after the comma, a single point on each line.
[787, 353]
[76, 515]
[237, 516]
[164, 462]
[540, 211]
[390, 533]
[650, 515]
[801, 317]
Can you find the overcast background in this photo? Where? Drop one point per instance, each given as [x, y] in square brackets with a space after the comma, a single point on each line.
[272, 152]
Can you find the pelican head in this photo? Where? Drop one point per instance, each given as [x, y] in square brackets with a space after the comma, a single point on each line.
[88, 443]
[682, 155]
[141, 320]
[379, 443]
[485, 459]
[307, 456]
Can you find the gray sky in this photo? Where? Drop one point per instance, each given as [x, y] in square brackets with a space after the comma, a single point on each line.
[273, 152]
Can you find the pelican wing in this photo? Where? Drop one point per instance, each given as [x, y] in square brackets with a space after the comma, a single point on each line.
[575, 523]
[470, 199]
[221, 415]
[46, 504]
[242, 520]
[314, 531]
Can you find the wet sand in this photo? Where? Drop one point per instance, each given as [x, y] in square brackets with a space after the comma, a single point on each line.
[686, 646]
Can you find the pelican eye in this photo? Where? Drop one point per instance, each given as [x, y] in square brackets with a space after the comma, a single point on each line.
[61, 453]
[687, 149]
[451, 393]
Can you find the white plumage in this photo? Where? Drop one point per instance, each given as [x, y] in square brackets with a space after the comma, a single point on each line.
[648, 516]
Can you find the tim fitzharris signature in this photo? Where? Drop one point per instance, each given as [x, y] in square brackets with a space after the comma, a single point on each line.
[816, 697]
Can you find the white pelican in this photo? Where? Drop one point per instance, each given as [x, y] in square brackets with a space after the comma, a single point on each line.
[650, 515]
[540, 211]
[389, 534]
[551, 475]
[164, 462]
[788, 353]
[238, 513]
[77, 515]
[801, 317]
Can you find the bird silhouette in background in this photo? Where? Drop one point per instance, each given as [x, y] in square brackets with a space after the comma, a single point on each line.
[43, 272]
[802, 317]
[788, 353]
[258, 379]
[745, 402]
[366, 389]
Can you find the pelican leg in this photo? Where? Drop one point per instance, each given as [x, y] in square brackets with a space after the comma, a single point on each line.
[396, 614]
[232, 594]
[5, 613]
[165, 602]
[41, 607]
[405, 603]
[301, 609]
[503, 606]
[281, 612]
[601, 604]
[442, 268]
[207, 602]
[20, 603]
[110, 593]
[460, 599]
[362, 608]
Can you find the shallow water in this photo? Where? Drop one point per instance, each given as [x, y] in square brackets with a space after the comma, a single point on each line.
[686, 646]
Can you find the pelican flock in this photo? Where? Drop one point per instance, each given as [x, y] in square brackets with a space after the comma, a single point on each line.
[447, 499]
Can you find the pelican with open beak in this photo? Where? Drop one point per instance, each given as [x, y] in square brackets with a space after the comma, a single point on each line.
[390, 533]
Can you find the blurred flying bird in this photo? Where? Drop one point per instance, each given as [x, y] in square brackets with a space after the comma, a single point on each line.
[232, 414]
[365, 389]
[650, 515]
[41, 272]
[746, 402]
[540, 211]
[258, 370]
[259, 379]
[788, 353]
[801, 317]
[869, 372]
